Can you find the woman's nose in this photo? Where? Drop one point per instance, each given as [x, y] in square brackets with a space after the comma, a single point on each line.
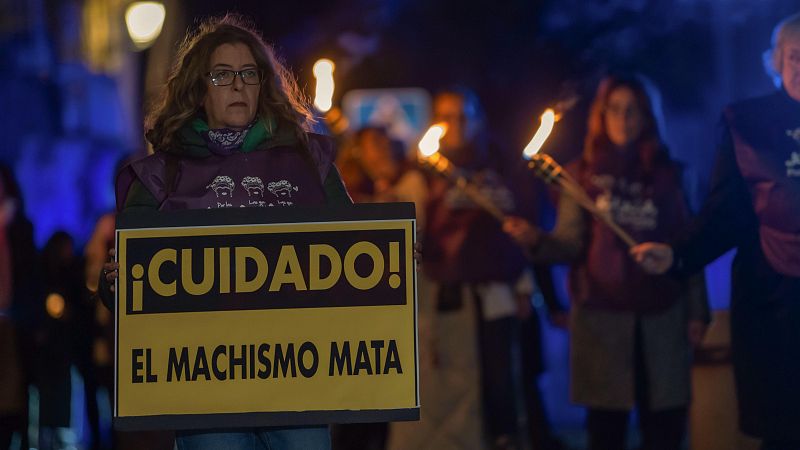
[238, 83]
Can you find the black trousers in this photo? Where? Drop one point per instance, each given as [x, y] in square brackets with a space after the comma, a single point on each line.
[660, 430]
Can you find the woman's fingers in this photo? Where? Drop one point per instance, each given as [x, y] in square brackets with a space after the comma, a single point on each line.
[653, 257]
[520, 230]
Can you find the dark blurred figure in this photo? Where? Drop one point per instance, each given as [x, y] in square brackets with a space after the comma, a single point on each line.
[18, 291]
[61, 310]
[533, 203]
[102, 346]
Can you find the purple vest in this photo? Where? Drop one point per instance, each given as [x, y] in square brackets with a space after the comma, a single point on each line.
[463, 243]
[278, 176]
[766, 140]
[649, 208]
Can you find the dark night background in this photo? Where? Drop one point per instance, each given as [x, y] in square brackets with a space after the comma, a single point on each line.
[72, 86]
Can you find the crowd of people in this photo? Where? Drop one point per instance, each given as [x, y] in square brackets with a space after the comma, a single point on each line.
[634, 314]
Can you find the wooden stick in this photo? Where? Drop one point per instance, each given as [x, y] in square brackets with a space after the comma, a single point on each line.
[442, 166]
[548, 169]
[576, 192]
[481, 200]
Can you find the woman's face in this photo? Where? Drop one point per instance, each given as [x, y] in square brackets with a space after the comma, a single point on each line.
[235, 105]
[790, 68]
[623, 118]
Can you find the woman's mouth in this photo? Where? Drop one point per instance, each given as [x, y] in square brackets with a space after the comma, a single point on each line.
[238, 104]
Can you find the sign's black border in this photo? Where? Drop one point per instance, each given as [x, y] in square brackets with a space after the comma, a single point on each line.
[246, 420]
[254, 216]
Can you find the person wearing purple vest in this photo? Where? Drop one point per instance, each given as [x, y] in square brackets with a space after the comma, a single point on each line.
[631, 332]
[230, 132]
[754, 207]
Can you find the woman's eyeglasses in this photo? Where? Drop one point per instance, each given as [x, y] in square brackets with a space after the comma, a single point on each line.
[226, 77]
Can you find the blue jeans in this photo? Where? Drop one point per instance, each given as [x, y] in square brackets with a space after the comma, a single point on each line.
[296, 438]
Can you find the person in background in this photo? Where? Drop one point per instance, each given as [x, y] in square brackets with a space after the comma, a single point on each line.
[631, 333]
[472, 269]
[61, 330]
[372, 172]
[533, 198]
[231, 131]
[13, 386]
[754, 207]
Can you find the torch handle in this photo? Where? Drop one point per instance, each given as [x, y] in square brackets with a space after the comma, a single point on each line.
[442, 166]
[479, 198]
[574, 191]
[547, 168]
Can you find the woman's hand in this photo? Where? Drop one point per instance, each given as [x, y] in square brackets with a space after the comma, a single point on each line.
[655, 258]
[418, 252]
[522, 231]
[111, 269]
[697, 332]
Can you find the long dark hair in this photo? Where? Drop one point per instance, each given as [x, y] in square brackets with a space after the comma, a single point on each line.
[279, 98]
[649, 145]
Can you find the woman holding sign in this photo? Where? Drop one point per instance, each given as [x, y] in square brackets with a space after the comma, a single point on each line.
[230, 132]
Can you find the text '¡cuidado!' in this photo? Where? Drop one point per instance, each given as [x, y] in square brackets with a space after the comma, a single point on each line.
[264, 361]
[242, 270]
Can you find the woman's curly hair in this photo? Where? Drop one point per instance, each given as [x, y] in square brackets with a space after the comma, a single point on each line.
[280, 100]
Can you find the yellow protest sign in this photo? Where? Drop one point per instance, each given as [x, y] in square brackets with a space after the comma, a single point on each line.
[280, 316]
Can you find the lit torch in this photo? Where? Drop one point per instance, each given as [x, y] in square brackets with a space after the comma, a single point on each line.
[430, 157]
[550, 171]
[323, 97]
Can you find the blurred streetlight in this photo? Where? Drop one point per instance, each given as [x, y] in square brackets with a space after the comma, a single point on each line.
[144, 21]
[54, 304]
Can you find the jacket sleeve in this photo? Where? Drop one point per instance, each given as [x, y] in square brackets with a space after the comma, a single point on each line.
[138, 199]
[568, 238]
[335, 191]
[724, 218]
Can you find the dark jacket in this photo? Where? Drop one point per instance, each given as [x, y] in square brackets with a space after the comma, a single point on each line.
[765, 305]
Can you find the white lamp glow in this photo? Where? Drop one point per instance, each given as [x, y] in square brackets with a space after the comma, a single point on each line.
[144, 21]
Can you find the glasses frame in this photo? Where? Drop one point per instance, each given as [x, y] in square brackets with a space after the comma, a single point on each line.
[236, 73]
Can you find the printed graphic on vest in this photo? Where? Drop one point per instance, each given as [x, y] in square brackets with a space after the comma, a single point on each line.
[793, 165]
[224, 188]
[626, 202]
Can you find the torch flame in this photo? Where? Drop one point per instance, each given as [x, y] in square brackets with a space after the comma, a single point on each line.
[429, 144]
[546, 126]
[323, 72]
